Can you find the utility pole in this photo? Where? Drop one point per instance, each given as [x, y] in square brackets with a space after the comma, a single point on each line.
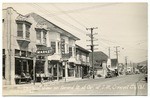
[116, 47]
[92, 46]
[109, 52]
[126, 62]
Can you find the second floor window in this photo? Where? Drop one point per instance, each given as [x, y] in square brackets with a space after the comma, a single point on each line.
[70, 51]
[20, 30]
[44, 37]
[67, 47]
[53, 45]
[27, 31]
[38, 35]
[58, 47]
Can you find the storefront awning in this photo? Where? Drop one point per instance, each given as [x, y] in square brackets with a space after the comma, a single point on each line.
[54, 57]
[73, 60]
[78, 62]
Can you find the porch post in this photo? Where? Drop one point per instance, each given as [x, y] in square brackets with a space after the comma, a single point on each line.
[66, 71]
[74, 70]
[52, 70]
[57, 71]
[46, 66]
[27, 66]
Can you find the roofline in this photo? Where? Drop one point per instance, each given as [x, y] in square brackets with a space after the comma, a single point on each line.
[76, 38]
[82, 48]
[13, 10]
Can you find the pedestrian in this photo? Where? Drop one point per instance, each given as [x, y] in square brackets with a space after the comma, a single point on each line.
[28, 76]
[116, 72]
[41, 77]
[50, 77]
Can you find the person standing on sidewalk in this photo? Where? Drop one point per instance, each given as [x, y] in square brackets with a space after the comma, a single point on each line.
[41, 76]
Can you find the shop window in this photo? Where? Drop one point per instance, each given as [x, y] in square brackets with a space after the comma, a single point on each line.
[17, 52]
[23, 53]
[20, 30]
[17, 66]
[28, 54]
[27, 31]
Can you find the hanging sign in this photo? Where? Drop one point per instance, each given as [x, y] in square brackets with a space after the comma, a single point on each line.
[45, 51]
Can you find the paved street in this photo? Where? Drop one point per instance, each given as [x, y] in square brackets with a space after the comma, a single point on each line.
[122, 85]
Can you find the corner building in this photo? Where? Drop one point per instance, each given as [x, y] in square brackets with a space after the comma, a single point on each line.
[23, 35]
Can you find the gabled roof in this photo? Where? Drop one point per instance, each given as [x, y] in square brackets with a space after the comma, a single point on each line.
[41, 20]
[98, 56]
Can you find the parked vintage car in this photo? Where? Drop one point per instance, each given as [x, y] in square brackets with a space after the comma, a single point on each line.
[111, 74]
[20, 79]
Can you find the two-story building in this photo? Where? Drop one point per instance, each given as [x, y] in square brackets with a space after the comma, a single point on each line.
[18, 42]
[63, 44]
[82, 61]
[23, 35]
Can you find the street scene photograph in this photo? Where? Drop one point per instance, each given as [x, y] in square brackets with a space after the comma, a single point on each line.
[75, 49]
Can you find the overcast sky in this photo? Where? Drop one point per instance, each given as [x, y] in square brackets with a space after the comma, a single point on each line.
[119, 24]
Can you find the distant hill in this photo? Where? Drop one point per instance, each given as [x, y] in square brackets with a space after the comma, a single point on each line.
[98, 56]
[144, 62]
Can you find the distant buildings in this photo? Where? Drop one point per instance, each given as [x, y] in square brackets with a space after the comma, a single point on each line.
[100, 63]
[23, 35]
[83, 62]
[143, 66]
[103, 64]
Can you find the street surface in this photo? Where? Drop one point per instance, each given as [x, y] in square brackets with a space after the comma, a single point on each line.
[122, 85]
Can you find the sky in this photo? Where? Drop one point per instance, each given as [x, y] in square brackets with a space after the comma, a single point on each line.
[119, 24]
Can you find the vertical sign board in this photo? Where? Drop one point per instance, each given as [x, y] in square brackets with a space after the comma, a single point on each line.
[62, 46]
[64, 55]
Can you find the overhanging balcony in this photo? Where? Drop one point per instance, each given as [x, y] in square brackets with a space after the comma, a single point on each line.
[23, 41]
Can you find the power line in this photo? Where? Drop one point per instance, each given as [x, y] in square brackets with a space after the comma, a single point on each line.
[56, 18]
[87, 8]
[62, 20]
[106, 40]
[69, 15]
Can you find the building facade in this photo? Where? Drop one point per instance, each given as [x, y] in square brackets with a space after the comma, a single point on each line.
[82, 62]
[100, 63]
[18, 42]
[23, 35]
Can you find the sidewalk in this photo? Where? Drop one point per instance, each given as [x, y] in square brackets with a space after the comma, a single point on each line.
[37, 84]
[23, 89]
